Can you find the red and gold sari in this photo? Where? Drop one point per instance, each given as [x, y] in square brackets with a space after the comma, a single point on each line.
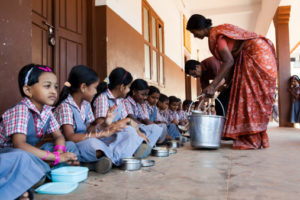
[253, 86]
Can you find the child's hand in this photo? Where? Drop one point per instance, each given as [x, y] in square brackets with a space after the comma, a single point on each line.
[111, 130]
[175, 122]
[134, 125]
[182, 123]
[67, 157]
[111, 114]
[122, 123]
[142, 135]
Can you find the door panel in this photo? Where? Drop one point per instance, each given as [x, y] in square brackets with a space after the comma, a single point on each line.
[70, 21]
[42, 53]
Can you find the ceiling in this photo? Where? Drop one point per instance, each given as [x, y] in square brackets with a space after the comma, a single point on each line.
[253, 15]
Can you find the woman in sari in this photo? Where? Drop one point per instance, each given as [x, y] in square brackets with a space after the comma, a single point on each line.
[248, 59]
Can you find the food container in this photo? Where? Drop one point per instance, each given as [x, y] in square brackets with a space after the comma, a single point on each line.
[131, 164]
[56, 188]
[197, 112]
[172, 151]
[147, 163]
[173, 144]
[160, 152]
[206, 130]
[183, 128]
[69, 174]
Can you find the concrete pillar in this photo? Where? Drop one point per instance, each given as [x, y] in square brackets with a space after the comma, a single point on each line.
[281, 23]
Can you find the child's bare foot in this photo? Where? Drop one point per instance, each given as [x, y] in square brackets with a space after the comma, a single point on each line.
[24, 196]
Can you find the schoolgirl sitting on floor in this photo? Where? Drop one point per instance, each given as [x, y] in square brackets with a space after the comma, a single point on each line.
[182, 117]
[75, 117]
[137, 96]
[24, 126]
[110, 96]
[154, 114]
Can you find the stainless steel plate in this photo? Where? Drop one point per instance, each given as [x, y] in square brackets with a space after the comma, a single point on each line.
[131, 164]
[172, 151]
[147, 163]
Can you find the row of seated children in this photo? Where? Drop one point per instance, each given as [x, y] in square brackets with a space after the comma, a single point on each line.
[96, 124]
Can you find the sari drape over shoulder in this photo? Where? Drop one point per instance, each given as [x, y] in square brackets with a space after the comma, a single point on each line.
[253, 86]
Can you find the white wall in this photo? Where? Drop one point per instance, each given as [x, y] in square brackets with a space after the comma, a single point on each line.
[129, 10]
[170, 11]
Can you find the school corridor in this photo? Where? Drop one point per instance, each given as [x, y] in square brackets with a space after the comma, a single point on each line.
[271, 173]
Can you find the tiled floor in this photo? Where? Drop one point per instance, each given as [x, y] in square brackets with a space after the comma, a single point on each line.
[272, 173]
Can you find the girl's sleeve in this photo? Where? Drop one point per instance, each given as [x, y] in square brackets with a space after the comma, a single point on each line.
[91, 117]
[128, 107]
[15, 120]
[144, 111]
[101, 106]
[64, 114]
[124, 111]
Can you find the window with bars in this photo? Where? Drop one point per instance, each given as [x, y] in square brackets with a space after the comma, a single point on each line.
[186, 35]
[153, 33]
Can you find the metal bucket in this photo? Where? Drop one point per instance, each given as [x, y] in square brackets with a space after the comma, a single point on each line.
[206, 130]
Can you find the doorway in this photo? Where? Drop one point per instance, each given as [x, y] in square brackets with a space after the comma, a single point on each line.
[59, 35]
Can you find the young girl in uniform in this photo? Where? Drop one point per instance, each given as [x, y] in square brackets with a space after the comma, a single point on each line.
[186, 106]
[111, 94]
[137, 96]
[182, 117]
[172, 115]
[75, 117]
[24, 127]
[14, 183]
[163, 105]
[294, 89]
[154, 115]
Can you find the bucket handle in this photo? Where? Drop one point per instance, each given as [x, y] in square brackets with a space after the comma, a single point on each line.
[223, 110]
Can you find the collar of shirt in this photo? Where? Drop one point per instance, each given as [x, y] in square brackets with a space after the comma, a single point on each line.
[112, 97]
[82, 108]
[45, 110]
[43, 116]
[109, 94]
[132, 101]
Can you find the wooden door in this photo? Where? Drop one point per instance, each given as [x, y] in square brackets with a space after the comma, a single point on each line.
[71, 41]
[42, 52]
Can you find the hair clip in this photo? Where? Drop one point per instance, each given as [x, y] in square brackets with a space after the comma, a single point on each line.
[46, 69]
[27, 76]
[106, 80]
[67, 84]
[124, 76]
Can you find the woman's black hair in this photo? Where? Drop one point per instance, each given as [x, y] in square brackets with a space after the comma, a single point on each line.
[32, 76]
[138, 84]
[173, 99]
[153, 89]
[198, 22]
[163, 98]
[78, 75]
[190, 65]
[117, 76]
